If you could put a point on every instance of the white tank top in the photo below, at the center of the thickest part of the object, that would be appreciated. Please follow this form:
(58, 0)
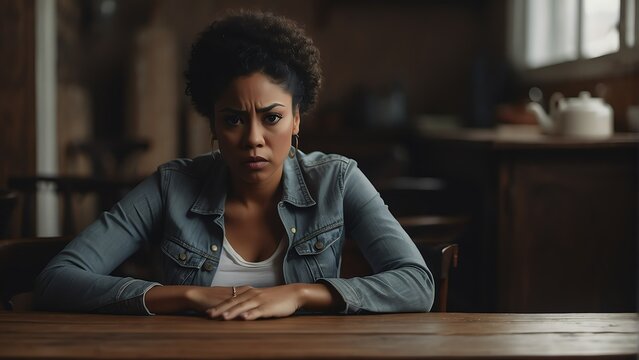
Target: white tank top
(235, 271)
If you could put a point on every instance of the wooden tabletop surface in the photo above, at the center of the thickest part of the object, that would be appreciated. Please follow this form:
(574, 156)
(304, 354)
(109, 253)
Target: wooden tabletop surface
(431, 335)
(527, 136)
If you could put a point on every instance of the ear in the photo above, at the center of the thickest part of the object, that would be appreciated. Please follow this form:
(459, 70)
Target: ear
(296, 121)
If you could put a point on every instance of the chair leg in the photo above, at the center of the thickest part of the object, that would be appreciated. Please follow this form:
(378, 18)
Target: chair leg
(449, 257)
(443, 295)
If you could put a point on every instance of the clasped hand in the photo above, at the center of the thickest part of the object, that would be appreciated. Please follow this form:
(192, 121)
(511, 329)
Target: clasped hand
(248, 304)
(254, 303)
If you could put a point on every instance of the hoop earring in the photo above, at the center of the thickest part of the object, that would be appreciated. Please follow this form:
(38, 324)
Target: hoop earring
(295, 143)
(213, 145)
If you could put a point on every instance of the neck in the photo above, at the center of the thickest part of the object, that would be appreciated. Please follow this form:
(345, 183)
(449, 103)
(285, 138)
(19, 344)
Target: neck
(264, 193)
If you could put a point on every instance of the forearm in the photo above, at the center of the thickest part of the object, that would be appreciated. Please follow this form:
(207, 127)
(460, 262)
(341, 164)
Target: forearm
(179, 298)
(319, 297)
(68, 288)
(407, 289)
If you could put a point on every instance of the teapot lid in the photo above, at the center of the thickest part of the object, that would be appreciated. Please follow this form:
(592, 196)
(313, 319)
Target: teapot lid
(584, 101)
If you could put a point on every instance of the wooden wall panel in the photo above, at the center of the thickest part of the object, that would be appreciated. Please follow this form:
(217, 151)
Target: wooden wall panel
(17, 88)
(426, 47)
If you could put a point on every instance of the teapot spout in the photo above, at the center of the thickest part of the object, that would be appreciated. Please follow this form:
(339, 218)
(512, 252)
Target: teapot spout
(542, 118)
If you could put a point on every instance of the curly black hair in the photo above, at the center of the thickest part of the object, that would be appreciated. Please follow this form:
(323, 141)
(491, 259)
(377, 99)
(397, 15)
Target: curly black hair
(245, 42)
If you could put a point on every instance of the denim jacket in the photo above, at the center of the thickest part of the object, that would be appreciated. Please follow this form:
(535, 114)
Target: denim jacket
(326, 200)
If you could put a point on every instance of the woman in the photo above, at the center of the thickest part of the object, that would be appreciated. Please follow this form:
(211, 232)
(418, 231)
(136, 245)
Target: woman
(256, 229)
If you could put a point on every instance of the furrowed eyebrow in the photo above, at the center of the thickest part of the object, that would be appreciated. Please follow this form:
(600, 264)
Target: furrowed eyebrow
(260, 110)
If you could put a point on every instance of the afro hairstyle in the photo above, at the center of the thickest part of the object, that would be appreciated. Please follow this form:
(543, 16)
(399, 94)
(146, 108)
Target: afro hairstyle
(245, 42)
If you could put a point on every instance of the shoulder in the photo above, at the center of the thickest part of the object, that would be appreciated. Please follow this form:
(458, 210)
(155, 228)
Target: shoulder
(186, 178)
(196, 167)
(318, 159)
(328, 169)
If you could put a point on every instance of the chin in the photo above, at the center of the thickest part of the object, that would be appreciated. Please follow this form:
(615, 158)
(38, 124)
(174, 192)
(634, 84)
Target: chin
(255, 178)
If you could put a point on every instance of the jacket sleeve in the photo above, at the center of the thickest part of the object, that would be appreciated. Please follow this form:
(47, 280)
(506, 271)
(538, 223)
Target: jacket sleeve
(77, 279)
(401, 282)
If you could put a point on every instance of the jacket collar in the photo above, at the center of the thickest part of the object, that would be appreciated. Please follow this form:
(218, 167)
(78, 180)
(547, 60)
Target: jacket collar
(295, 190)
(212, 196)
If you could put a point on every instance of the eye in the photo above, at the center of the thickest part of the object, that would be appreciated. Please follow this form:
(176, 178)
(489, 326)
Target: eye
(232, 120)
(272, 118)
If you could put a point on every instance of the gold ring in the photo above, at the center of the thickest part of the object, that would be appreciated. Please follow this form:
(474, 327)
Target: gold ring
(234, 292)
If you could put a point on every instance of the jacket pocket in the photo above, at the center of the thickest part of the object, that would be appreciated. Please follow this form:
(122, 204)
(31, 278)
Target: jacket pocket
(180, 263)
(321, 253)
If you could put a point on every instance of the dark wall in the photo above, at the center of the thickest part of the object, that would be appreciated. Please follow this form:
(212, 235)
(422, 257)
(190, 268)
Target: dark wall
(17, 88)
(426, 50)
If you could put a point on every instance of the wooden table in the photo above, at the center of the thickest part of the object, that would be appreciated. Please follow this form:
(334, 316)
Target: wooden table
(431, 335)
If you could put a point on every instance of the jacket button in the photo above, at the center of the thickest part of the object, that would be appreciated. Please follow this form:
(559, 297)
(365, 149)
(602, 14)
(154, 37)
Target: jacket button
(214, 248)
(208, 266)
(182, 256)
(293, 230)
(319, 245)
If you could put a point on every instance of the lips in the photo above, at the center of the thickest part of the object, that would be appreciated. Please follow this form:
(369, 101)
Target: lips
(256, 159)
(256, 162)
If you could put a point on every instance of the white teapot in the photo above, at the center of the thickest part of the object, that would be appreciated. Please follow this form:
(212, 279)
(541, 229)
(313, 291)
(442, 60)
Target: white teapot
(583, 116)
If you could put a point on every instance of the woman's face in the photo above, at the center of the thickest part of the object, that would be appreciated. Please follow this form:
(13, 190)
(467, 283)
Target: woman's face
(254, 123)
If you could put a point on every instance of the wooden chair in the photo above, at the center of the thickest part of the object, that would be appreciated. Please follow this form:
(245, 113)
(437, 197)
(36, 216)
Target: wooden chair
(112, 159)
(8, 201)
(21, 260)
(426, 208)
(449, 256)
(108, 192)
(416, 196)
(441, 258)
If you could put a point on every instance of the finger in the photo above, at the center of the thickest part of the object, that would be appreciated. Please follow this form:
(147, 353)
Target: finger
(252, 314)
(224, 309)
(240, 308)
(221, 307)
(228, 303)
(242, 289)
(211, 313)
(218, 310)
(243, 293)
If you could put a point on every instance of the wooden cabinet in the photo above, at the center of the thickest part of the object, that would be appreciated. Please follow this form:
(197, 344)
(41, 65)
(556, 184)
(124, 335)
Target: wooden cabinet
(557, 217)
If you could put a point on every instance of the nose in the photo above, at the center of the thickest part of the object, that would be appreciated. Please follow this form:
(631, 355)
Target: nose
(254, 134)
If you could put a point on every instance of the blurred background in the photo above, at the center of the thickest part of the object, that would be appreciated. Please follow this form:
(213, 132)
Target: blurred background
(431, 97)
